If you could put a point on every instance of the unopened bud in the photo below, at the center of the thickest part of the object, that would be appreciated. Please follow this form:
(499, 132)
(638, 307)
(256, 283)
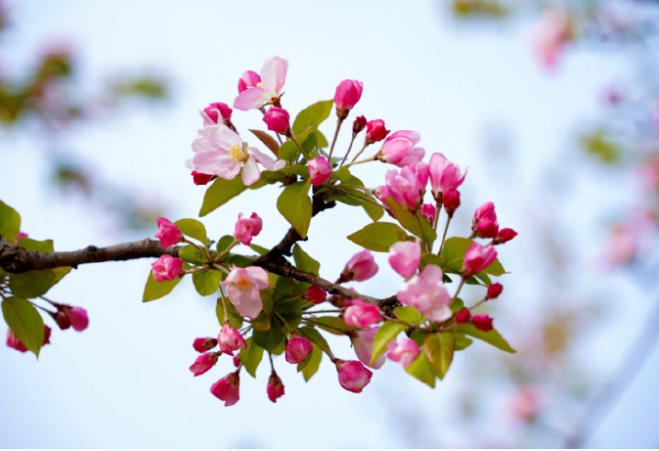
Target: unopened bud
(463, 316)
(359, 124)
(451, 201)
(494, 290)
(504, 236)
(482, 322)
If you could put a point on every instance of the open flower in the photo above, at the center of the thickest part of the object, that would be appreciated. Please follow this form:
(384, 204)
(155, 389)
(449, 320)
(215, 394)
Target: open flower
(267, 90)
(230, 339)
(220, 151)
(427, 293)
(216, 113)
(407, 188)
(444, 174)
(246, 228)
(399, 149)
(404, 257)
(243, 286)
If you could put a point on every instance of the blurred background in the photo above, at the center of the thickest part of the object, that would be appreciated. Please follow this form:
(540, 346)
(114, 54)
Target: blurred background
(551, 104)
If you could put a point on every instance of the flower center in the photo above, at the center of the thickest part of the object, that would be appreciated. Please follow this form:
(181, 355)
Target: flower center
(238, 152)
(243, 283)
(259, 85)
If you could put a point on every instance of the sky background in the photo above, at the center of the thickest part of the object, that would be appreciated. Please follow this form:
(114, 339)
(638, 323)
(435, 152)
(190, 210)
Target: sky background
(124, 382)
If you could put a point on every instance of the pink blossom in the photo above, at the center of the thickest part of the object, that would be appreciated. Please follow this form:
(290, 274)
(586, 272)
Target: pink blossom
(77, 316)
(243, 287)
(359, 268)
(346, 96)
(20, 235)
(353, 376)
(250, 79)
(405, 351)
(504, 236)
(167, 268)
(230, 339)
(362, 340)
(213, 112)
(477, 258)
(247, 228)
(316, 294)
(407, 188)
(494, 290)
(359, 124)
(427, 293)
(399, 149)
(485, 223)
(275, 388)
(463, 316)
(202, 179)
(551, 35)
(375, 131)
(451, 201)
(267, 90)
(204, 344)
(227, 389)
(168, 232)
(404, 257)
(278, 120)
(298, 349)
(319, 170)
(220, 151)
(362, 314)
(428, 211)
(482, 322)
(13, 341)
(444, 175)
(525, 404)
(236, 360)
(204, 363)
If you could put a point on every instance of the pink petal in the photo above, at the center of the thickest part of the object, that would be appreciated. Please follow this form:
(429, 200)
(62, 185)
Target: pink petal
(273, 75)
(251, 98)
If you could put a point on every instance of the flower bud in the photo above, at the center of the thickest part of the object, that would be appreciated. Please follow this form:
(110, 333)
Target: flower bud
(298, 349)
(14, 343)
(399, 149)
(359, 268)
(362, 314)
(216, 113)
(275, 388)
(236, 360)
(204, 363)
(316, 294)
(319, 170)
(168, 232)
(353, 375)
(428, 211)
(77, 317)
(359, 124)
(278, 120)
(451, 201)
(444, 175)
(404, 257)
(463, 316)
(477, 258)
(167, 268)
(230, 339)
(246, 228)
(227, 389)
(62, 320)
(504, 236)
(494, 290)
(405, 351)
(375, 131)
(482, 322)
(346, 96)
(362, 340)
(199, 178)
(204, 344)
(24, 235)
(485, 223)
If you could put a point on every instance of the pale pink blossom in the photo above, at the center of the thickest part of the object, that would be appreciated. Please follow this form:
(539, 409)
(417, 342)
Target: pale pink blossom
(551, 35)
(485, 223)
(399, 149)
(362, 314)
(404, 352)
(525, 404)
(204, 363)
(477, 258)
(230, 339)
(319, 170)
(375, 131)
(243, 287)
(216, 113)
(277, 120)
(204, 344)
(247, 228)
(353, 376)
(404, 257)
(168, 232)
(275, 388)
(316, 294)
(362, 340)
(266, 91)
(297, 349)
(444, 174)
(250, 79)
(360, 267)
(407, 188)
(227, 389)
(346, 96)
(167, 268)
(220, 151)
(427, 293)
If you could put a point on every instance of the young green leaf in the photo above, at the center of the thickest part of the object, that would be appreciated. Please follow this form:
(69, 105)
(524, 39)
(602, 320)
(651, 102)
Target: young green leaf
(315, 337)
(235, 318)
(453, 255)
(492, 337)
(25, 321)
(221, 192)
(439, 348)
(207, 282)
(314, 362)
(415, 225)
(10, 223)
(155, 290)
(304, 262)
(373, 211)
(313, 116)
(333, 325)
(270, 339)
(410, 315)
(36, 246)
(386, 333)
(378, 236)
(422, 370)
(251, 356)
(462, 342)
(295, 205)
(192, 255)
(31, 284)
(224, 243)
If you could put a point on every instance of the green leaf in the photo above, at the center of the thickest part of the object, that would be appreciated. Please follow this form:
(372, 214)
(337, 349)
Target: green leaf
(295, 205)
(298, 169)
(439, 348)
(309, 144)
(270, 339)
(334, 325)
(378, 236)
(235, 318)
(221, 192)
(417, 226)
(36, 246)
(155, 290)
(458, 305)
(289, 151)
(462, 342)
(207, 282)
(10, 223)
(262, 322)
(224, 243)
(422, 370)
(191, 255)
(239, 260)
(312, 116)
(304, 262)
(24, 320)
(314, 362)
(385, 334)
(251, 356)
(2, 274)
(31, 284)
(410, 315)
(60, 272)
(342, 174)
(373, 211)
(259, 249)
(290, 311)
(193, 229)
(492, 337)
(453, 256)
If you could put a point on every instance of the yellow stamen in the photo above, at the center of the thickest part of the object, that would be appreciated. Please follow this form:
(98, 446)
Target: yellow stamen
(243, 283)
(238, 151)
(259, 85)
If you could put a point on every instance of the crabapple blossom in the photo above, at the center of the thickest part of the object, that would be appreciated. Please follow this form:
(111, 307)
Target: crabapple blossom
(230, 339)
(216, 111)
(204, 363)
(426, 292)
(404, 352)
(375, 131)
(275, 388)
(204, 344)
(399, 149)
(167, 268)
(477, 258)
(359, 124)
(494, 290)
(362, 340)
(267, 89)
(346, 96)
(463, 316)
(250, 79)
(362, 314)
(404, 257)
(429, 211)
(485, 223)
(297, 349)
(353, 376)
(482, 322)
(247, 228)
(451, 201)
(319, 170)
(504, 236)
(316, 294)
(227, 389)
(406, 188)
(76, 317)
(360, 267)
(444, 175)
(278, 120)
(168, 232)
(243, 287)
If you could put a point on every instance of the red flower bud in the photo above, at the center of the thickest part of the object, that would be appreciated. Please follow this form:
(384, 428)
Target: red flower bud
(359, 124)
(316, 294)
(504, 236)
(451, 201)
(463, 316)
(275, 388)
(200, 178)
(482, 322)
(375, 131)
(204, 344)
(494, 290)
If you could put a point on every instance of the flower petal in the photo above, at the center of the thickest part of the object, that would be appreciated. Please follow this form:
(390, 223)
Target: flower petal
(251, 98)
(273, 75)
